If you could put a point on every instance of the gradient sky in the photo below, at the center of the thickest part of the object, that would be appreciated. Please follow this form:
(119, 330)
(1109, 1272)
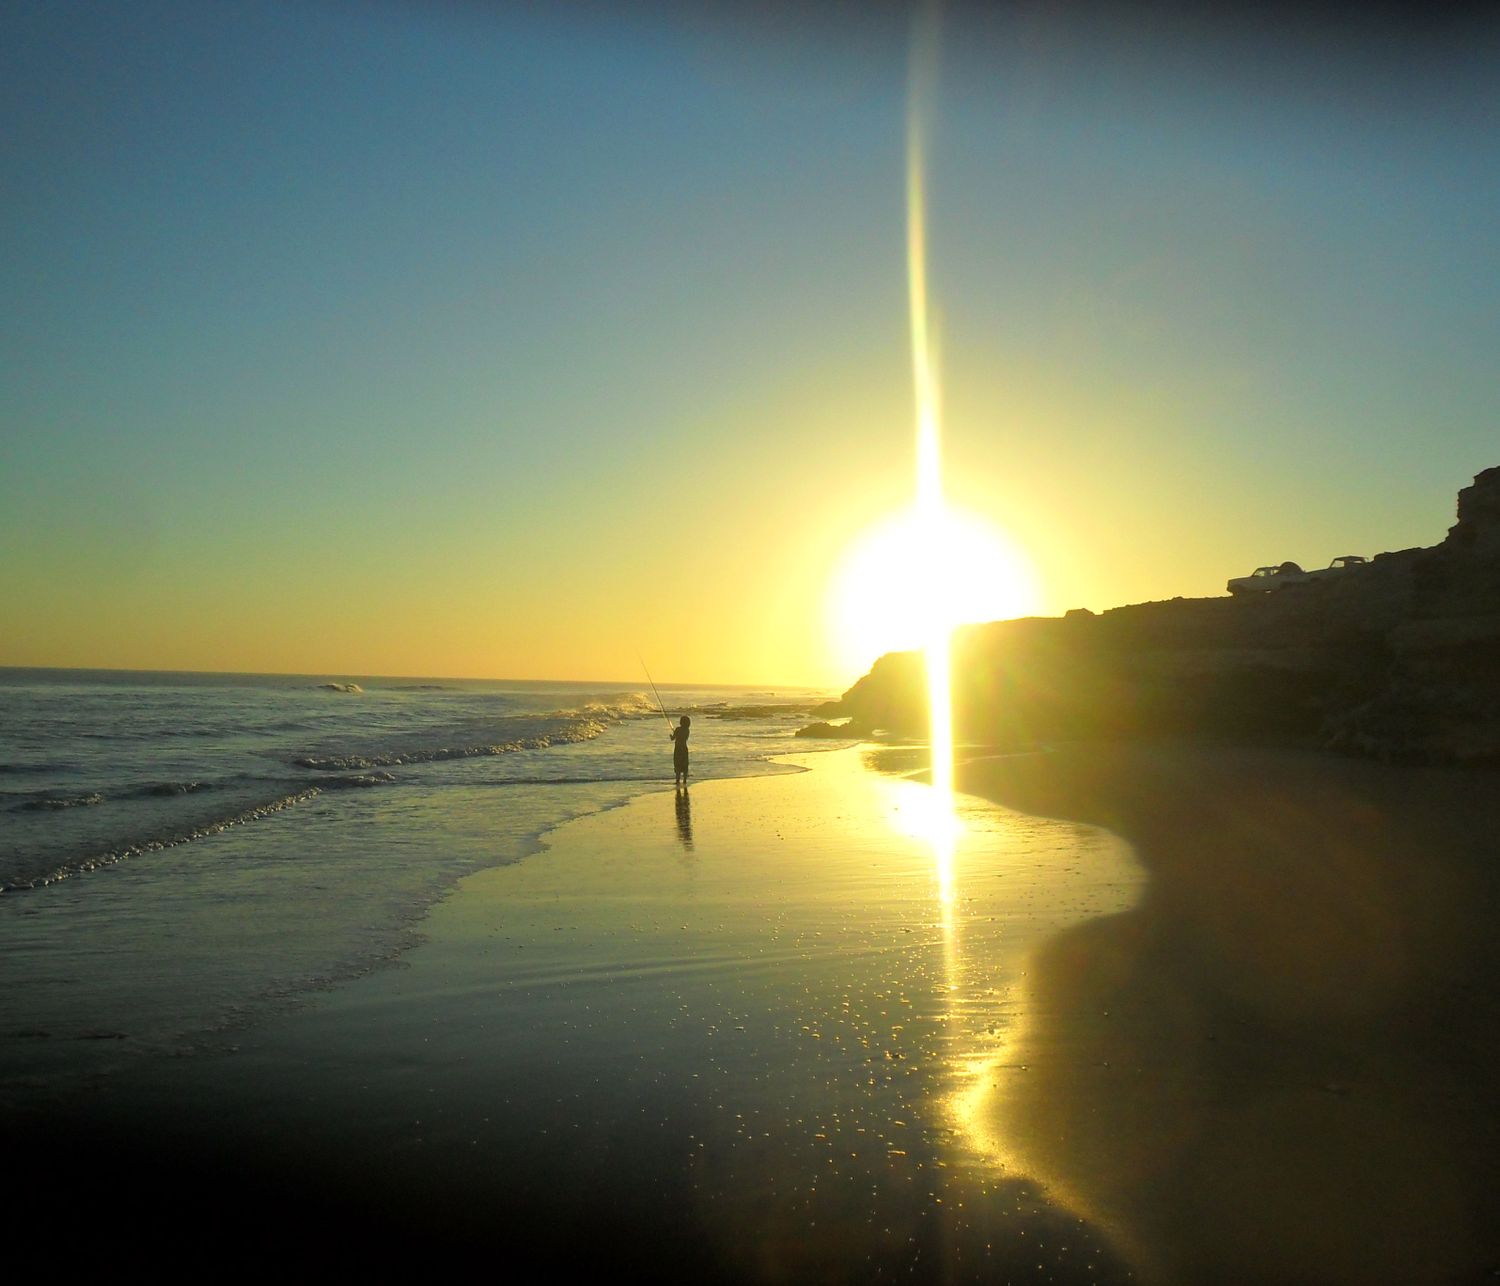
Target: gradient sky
(518, 340)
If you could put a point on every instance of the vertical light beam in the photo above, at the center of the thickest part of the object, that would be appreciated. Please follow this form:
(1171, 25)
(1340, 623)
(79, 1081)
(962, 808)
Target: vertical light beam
(931, 508)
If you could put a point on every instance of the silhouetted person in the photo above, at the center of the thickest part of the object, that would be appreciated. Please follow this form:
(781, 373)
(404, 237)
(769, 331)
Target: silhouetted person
(679, 736)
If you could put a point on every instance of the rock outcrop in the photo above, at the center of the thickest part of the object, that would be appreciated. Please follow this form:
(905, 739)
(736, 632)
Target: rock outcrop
(836, 731)
(1398, 659)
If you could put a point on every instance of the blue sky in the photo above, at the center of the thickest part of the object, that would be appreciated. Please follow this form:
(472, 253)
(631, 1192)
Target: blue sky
(502, 340)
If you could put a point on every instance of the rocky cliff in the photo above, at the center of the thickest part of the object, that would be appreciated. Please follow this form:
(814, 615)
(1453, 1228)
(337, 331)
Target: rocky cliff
(1398, 659)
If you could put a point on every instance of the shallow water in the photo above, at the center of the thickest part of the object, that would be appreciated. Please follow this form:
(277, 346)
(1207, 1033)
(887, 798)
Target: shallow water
(183, 854)
(749, 1038)
(744, 1027)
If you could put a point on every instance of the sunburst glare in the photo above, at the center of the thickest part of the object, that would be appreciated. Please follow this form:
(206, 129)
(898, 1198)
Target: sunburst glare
(931, 509)
(903, 572)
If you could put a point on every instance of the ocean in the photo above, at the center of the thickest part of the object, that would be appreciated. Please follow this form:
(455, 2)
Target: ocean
(182, 854)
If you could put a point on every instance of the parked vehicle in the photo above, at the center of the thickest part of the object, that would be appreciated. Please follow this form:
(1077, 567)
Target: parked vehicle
(1341, 564)
(1268, 578)
(1263, 579)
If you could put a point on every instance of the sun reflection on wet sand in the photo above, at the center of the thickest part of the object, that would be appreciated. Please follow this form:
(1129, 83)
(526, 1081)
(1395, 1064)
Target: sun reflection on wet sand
(932, 819)
(1000, 885)
(935, 818)
(755, 1053)
(926, 814)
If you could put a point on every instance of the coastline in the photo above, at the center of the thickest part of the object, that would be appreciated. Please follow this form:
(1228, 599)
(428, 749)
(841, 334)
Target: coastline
(747, 1040)
(729, 1044)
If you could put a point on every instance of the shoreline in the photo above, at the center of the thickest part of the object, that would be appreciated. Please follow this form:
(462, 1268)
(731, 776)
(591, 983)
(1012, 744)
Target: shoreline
(736, 1033)
(742, 1037)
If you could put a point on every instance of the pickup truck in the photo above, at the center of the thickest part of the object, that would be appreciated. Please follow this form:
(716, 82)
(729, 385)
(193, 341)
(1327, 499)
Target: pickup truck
(1268, 578)
(1338, 565)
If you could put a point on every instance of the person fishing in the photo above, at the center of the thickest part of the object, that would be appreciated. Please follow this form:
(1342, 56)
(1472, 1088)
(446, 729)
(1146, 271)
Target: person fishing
(679, 736)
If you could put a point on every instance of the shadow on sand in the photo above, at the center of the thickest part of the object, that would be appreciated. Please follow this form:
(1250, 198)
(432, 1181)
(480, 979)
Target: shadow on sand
(1277, 1067)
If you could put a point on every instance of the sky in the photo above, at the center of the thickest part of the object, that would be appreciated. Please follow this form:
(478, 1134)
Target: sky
(525, 340)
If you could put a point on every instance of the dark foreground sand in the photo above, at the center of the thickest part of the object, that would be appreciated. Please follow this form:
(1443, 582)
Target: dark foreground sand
(1281, 1065)
(748, 1038)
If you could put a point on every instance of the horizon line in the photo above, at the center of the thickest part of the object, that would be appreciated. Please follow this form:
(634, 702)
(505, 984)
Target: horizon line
(354, 674)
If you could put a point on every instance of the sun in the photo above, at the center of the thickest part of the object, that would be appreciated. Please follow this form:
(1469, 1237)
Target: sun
(902, 576)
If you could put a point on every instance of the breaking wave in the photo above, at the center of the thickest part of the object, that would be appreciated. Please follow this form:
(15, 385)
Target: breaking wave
(53, 803)
(157, 790)
(436, 754)
(81, 866)
(614, 708)
(100, 798)
(591, 718)
(356, 781)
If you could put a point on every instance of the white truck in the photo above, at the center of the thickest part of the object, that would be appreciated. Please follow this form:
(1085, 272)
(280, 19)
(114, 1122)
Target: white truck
(1269, 578)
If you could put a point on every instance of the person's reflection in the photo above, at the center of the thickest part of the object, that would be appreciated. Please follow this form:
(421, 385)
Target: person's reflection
(684, 818)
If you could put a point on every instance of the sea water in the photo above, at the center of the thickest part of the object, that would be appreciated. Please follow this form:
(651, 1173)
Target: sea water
(181, 854)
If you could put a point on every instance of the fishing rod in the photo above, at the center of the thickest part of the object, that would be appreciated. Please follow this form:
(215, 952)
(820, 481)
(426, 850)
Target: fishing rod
(652, 682)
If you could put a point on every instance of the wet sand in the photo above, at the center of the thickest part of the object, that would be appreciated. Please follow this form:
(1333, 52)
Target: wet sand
(771, 1033)
(729, 1037)
(1280, 1065)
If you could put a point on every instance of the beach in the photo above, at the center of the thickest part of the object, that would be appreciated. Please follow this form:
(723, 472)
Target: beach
(1160, 1014)
(735, 1031)
(750, 644)
(1278, 1066)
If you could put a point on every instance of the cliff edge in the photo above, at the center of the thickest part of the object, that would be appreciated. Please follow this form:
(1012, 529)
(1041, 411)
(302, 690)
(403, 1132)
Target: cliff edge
(1397, 659)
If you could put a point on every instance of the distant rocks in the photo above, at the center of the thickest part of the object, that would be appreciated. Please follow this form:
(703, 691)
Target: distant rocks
(851, 730)
(1397, 659)
(725, 711)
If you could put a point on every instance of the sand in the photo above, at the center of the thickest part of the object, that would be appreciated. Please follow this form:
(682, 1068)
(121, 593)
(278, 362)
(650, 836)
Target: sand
(1279, 1065)
(768, 1033)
